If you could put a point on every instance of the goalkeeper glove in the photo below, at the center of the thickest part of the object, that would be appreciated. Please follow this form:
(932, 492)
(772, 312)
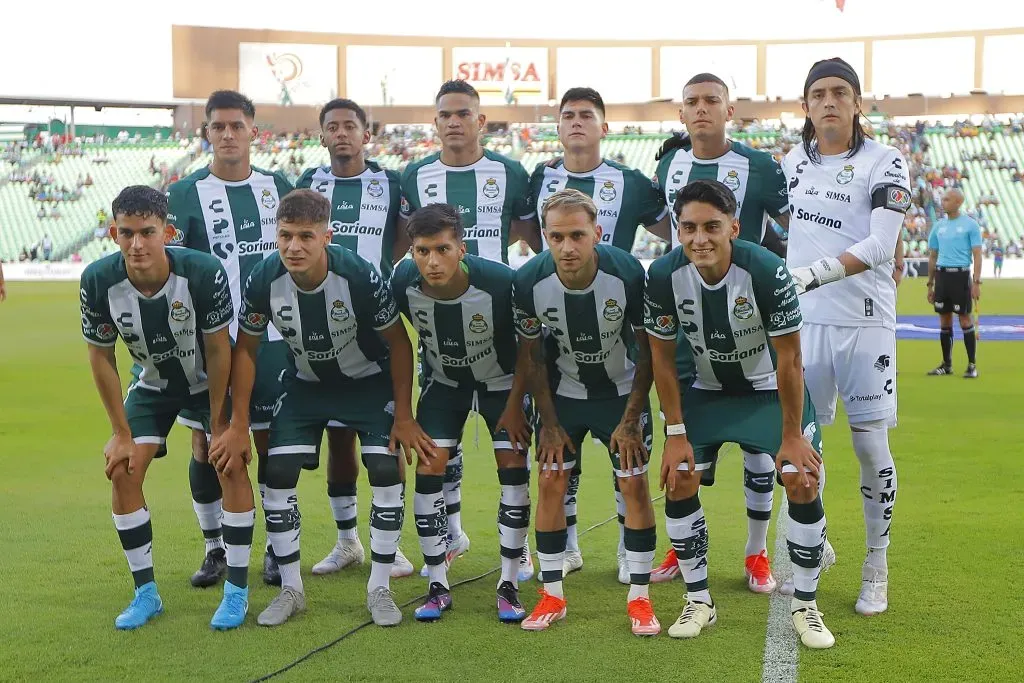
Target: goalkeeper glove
(821, 272)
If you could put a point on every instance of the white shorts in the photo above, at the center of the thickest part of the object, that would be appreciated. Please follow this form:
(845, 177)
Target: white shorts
(856, 363)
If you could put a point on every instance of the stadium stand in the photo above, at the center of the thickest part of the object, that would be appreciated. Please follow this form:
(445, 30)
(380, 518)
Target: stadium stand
(985, 162)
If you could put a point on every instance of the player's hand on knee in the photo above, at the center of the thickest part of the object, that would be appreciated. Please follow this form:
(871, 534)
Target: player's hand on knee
(513, 421)
(118, 453)
(408, 434)
(798, 452)
(628, 441)
(677, 451)
(231, 465)
(232, 443)
(551, 447)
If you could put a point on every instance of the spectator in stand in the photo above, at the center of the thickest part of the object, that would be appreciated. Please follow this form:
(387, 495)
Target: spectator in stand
(47, 245)
(997, 258)
(55, 214)
(41, 213)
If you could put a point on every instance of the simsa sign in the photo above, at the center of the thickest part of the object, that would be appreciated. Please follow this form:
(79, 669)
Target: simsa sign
(504, 74)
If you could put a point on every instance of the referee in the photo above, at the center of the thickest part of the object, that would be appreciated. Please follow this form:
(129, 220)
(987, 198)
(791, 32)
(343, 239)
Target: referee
(952, 244)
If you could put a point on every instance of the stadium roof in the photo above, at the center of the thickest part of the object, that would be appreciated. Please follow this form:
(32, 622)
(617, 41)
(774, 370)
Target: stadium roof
(39, 101)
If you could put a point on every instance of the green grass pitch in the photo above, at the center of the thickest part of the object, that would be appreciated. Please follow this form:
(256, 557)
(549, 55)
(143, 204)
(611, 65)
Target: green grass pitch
(955, 563)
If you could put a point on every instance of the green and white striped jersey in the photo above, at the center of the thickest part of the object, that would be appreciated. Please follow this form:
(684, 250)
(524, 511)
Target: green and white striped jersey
(727, 324)
(489, 194)
(364, 210)
(234, 221)
(333, 330)
(624, 196)
(163, 332)
(468, 342)
(592, 331)
(753, 176)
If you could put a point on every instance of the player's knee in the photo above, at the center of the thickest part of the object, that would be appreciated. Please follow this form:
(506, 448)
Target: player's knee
(796, 491)
(870, 426)
(633, 486)
(200, 445)
(553, 486)
(686, 487)
(382, 469)
(283, 470)
(509, 459)
(435, 466)
(124, 482)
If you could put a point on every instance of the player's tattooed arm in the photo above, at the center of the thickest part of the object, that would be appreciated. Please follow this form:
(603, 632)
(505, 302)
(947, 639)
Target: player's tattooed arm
(628, 440)
(120, 448)
(552, 439)
(795, 449)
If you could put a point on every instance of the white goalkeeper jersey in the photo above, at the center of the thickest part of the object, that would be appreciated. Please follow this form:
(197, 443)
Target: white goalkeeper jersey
(830, 206)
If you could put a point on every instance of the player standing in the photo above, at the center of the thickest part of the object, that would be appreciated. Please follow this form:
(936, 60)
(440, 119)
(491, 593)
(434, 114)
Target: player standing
(953, 243)
(590, 298)
(757, 182)
(461, 305)
(737, 306)
(491, 193)
(848, 195)
(229, 209)
(172, 308)
(353, 364)
(365, 201)
(625, 200)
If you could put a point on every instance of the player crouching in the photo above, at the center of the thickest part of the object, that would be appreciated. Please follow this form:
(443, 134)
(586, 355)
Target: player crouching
(590, 298)
(737, 305)
(353, 364)
(461, 306)
(160, 300)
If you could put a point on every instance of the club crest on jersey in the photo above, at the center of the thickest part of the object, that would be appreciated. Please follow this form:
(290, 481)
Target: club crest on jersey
(105, 331)
(846, 175)
(612, 310)
(179, 312)
(477, 324)
(267, 200)
(491, 189)
(405, 205)
(339, 312)
(255, 320)
(607, 192)
(374, 188)
(742, 309)
(732, 180)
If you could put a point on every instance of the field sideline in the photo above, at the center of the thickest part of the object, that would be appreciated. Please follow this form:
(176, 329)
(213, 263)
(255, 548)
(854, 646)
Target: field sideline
(956, 564)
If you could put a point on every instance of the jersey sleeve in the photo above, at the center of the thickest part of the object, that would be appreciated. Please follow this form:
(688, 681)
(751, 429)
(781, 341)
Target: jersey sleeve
(891, 171)
(372, 296)
(975, 234)
(284, 186)
(305, 180)
(933, 238)
(776, 296)
(660, 317)
(97, 325)
(519, 193)
(524, 311)
(633, 278)
(179, 212)
(399, 282)
(774, 195)
(536, 181)
(214, 307)
(410, 196)
(650, 205)
(254, 313)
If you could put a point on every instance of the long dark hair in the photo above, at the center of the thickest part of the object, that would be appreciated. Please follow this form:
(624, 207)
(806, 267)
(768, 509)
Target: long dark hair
(810, 139)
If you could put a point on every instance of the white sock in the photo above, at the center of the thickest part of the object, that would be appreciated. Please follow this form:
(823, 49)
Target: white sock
(637, 590)
(554, 588)
(877, 484)
(437, 573)
(291, 577)
(758, 489)
(210, 516)
(380, 575)
(877, 558)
